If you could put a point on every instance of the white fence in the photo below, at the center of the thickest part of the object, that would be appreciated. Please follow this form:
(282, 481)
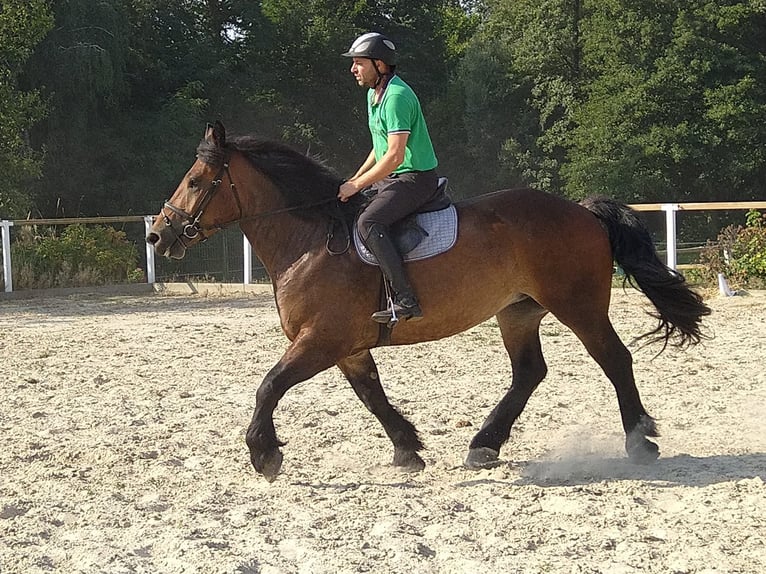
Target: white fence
(670, 209)
(6, 225)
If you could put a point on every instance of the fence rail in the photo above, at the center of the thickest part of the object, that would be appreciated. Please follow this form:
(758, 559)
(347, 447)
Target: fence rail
(670, 209)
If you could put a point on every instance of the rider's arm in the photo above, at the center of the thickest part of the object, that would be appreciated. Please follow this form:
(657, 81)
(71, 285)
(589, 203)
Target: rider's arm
(368, 163)
(392, 159)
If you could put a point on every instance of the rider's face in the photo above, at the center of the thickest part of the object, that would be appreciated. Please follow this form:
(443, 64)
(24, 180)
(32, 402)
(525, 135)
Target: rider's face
(364, 72)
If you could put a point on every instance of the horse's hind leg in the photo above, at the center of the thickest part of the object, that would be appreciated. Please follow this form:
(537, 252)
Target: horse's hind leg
(596, 332)
(520, 327)
(362, 373)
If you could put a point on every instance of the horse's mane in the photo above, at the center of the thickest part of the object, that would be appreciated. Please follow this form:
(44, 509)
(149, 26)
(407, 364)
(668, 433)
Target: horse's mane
(301, 179)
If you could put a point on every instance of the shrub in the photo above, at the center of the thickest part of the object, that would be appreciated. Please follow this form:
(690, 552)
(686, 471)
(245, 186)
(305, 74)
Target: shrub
(77, 256)
(739, 253)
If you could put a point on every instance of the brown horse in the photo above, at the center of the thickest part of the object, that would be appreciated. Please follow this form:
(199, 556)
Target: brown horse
(520, 254)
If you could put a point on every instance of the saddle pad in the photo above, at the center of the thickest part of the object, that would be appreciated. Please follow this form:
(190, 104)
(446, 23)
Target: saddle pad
(441, 227)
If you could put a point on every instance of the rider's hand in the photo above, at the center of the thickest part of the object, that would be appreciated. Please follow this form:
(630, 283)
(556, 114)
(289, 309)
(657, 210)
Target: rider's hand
(346, 190)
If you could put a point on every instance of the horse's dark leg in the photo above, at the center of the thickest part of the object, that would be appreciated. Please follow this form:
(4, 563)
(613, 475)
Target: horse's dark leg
(596, 332)
(362, 373)
(519, 324)
(298, 364)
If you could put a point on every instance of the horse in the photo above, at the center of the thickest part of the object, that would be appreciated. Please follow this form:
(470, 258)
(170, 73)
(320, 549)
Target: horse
(519, 255)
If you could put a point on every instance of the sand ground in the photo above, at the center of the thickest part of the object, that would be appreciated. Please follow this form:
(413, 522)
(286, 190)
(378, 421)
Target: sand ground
(122, 421)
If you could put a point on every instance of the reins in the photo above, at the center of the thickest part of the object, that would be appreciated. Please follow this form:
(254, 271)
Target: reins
(270, 213)
(334, 219)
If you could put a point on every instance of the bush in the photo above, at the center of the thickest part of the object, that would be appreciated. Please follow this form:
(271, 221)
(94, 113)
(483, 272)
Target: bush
(79, 256)
(740, 253)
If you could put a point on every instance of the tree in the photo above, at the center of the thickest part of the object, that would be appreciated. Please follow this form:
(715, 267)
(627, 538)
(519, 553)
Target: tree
(131, 84)
(127, 81)
(677, 105)
(522, 75)
(23, 23)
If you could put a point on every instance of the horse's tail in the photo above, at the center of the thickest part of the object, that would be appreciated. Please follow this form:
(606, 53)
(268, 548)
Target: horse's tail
(680, 309)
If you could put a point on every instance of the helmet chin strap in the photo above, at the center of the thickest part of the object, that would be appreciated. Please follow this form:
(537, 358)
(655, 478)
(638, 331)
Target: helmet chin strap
(381, 76)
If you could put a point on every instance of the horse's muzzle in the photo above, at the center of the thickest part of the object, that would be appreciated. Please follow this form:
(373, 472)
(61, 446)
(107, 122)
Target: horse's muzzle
(166, 242)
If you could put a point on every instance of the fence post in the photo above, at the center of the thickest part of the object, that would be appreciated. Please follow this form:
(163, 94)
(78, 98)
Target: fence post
(670, 232)
(248, 260)
(5, 230)
(150, 277)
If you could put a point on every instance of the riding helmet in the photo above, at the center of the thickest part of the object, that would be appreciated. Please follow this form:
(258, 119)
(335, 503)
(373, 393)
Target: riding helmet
(374, 46)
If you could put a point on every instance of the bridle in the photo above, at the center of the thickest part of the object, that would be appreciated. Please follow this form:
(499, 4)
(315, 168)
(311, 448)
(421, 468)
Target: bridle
(192, 229)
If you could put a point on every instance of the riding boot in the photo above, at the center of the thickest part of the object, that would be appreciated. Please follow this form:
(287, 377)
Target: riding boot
(405, 304)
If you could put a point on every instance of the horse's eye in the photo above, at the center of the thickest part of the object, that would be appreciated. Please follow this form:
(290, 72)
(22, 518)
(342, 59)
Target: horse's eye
(193, 183)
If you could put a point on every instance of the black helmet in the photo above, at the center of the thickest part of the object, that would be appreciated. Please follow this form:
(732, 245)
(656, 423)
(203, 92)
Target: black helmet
(374, 46)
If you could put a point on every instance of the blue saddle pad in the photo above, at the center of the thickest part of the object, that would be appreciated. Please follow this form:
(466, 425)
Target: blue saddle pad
(441, 229)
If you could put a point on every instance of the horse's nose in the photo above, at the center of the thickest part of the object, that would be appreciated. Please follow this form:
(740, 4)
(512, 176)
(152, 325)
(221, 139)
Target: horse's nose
(152, 238)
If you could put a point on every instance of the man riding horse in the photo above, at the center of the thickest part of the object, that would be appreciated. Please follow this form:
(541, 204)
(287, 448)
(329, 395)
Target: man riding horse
(400, 169)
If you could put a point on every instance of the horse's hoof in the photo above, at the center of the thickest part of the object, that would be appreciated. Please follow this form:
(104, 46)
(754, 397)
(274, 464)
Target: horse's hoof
(482, 457)
(268, 464)
(640, 450)
(408, 460)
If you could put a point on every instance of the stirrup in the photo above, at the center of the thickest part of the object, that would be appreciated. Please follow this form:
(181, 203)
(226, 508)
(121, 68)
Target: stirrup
(396, 312)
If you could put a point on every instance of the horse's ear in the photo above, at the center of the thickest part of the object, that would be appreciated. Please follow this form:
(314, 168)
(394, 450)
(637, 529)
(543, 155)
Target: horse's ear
(216, 134)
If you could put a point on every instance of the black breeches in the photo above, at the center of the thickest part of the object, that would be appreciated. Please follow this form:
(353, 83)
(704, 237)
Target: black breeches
(397, 197)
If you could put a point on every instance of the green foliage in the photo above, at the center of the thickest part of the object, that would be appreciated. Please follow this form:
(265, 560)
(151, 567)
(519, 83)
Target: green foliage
(303, 87)
(82, 68)
(740, 253)
(642, 100)
(496, 115)
(78, 256)
(676, 103)
(521, 74)
(23, 23)
(638, 100)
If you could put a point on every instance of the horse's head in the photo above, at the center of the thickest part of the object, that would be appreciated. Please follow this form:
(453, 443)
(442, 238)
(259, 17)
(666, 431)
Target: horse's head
(204, 202)
(277, 186)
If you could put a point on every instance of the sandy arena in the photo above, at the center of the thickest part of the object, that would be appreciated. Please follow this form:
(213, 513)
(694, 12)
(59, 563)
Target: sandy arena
(122, 422)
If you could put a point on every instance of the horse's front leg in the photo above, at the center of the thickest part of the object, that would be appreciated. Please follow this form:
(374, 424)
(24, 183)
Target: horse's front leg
(362, 373)
(299, 363)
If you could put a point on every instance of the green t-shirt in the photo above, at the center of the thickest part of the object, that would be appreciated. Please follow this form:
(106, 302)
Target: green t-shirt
(399, 112)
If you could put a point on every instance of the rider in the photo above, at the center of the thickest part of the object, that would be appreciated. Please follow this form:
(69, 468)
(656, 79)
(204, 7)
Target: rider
(401, 167)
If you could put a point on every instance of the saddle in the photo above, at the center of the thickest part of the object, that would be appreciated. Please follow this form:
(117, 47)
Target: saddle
(430, 231)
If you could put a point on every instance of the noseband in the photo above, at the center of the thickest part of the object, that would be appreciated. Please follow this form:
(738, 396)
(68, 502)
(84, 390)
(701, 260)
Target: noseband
(192, 227)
